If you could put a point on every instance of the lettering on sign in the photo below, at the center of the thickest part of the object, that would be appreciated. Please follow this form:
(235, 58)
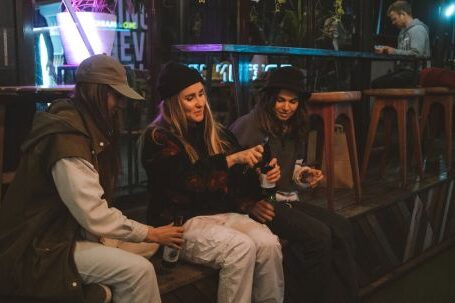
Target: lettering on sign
(223, 71)
(130, 42)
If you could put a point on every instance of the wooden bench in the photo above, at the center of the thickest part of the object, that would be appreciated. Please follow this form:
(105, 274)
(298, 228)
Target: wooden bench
(186, 283)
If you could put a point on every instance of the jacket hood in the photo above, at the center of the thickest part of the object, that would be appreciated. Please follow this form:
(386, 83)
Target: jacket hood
(63, 117)
(415, 22)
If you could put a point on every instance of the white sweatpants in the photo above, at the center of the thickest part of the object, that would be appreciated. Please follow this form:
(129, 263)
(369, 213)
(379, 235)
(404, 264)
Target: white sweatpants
(247, 253)
(130, 277)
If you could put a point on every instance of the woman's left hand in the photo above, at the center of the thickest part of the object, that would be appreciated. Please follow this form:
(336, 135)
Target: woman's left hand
(310, 176)
(262, 211)
(274, 174)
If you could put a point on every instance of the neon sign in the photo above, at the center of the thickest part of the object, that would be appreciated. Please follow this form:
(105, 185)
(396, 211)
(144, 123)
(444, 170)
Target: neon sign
(114, 25)
(224, 70)
(102, 24)
(129, 25)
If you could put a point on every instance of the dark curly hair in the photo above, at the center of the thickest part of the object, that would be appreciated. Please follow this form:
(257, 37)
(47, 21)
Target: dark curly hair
(296, 127)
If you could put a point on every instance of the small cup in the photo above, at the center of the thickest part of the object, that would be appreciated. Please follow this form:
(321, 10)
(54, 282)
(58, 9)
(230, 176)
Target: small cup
(304, 176)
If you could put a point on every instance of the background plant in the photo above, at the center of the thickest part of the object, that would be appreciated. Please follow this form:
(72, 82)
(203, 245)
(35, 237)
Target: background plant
(98, 6)
(106, 6)
(281, 22)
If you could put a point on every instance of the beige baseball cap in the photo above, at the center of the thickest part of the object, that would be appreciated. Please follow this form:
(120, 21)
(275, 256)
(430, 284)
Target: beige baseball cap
(104, 69)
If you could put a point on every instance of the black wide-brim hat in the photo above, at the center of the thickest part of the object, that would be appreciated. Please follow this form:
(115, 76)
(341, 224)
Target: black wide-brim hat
(287, 77)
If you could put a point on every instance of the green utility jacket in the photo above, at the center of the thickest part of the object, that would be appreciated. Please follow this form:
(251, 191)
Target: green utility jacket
(37, 231)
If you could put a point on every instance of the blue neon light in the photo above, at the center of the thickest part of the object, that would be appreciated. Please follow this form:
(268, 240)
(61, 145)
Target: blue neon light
(450, 10)
(44, 61)
(225, 70)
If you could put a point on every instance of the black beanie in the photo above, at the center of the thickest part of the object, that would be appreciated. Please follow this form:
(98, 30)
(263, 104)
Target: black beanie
(287, 77)
(174, 77)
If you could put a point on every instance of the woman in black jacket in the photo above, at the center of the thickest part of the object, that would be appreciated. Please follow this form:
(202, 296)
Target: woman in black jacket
(196, 170)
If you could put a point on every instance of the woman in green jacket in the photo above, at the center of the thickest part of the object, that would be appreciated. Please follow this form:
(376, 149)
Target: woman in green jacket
(56, 212)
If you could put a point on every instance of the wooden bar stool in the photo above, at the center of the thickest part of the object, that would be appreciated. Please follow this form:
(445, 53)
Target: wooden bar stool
(401, 100)
(329, 107)
(445, 98)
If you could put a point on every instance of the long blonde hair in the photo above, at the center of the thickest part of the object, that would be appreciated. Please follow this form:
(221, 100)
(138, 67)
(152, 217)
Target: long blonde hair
(172, 118)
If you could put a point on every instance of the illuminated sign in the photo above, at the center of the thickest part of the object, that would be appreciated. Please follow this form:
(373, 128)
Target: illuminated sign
(224, 70)
(114, 25)
(129, 25)
(102, 24)
(130, 45)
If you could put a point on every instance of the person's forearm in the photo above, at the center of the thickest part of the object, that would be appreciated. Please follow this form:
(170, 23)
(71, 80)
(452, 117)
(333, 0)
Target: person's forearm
(231, 160)
(78, 186)
(409, 52)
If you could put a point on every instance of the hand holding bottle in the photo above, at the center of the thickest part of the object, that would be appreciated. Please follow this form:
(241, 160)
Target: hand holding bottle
(274, 173)
(250, 156)
(171, 253)
(168, 235)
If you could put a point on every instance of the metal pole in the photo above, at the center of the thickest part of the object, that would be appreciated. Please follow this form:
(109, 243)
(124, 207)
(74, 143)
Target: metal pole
(81, 31)
(182, 21)
(452, 49)
(154, 44)
(378, 24)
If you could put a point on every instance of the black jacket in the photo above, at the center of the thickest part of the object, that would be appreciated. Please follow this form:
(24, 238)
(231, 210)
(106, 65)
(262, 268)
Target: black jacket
(179, 187)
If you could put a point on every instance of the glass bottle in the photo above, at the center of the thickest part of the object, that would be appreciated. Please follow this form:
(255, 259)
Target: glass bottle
(268, 188)
(171, 254)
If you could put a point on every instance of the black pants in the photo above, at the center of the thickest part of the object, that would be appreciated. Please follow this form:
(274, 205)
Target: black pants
(318, 257)
(396, 79)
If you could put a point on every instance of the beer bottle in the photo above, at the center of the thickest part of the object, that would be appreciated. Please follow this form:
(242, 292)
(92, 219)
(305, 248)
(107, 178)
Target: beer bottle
(268, 188)
(171, 254)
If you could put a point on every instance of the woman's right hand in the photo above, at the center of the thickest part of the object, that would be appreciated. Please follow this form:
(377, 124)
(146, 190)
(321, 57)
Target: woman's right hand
(274, 174)
(168, 235)
(249, 156)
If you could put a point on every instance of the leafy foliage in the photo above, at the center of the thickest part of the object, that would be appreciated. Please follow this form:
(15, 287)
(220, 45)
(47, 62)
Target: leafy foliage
(282, 22)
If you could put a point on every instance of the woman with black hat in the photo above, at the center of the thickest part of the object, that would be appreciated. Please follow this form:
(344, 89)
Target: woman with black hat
(319, 251)
(56, 213)
(195, 170)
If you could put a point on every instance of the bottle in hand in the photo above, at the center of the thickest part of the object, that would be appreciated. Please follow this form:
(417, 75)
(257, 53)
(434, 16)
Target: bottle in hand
(268, 188)
(171, 254)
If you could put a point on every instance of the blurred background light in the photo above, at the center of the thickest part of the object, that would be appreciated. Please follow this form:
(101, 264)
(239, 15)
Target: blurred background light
(449, 10)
